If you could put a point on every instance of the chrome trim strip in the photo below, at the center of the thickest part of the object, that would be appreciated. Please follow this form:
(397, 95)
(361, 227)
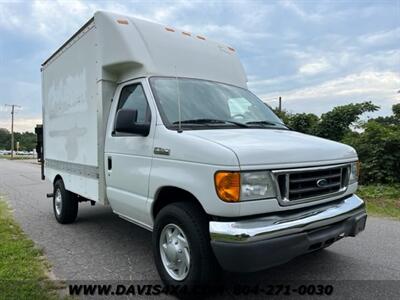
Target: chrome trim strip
(297, 170)
(285, 223)
(73, 168)
(138, 223)
(284, 199)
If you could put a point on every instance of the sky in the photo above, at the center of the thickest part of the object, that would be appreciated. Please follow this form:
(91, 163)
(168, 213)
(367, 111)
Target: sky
(314, 54)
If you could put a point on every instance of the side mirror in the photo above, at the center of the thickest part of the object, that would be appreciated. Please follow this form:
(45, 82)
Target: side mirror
(126, 123)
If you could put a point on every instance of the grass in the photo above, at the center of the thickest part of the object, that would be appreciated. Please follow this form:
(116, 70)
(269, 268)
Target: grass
(16, 157)
(23, 270)
(382, 200)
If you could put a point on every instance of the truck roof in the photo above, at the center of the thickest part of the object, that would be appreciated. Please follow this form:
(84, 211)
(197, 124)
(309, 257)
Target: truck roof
(128, 47)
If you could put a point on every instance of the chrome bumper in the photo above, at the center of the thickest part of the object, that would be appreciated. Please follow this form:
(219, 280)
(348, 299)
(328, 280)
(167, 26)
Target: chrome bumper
(286, 223)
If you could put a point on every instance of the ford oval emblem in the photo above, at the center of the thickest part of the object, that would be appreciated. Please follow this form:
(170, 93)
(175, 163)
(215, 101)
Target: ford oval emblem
(322, 182)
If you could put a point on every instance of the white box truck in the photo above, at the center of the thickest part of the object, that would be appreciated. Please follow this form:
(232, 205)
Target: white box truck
(159, 124)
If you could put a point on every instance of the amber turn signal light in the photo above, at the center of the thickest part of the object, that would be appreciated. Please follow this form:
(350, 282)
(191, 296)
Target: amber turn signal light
(227, 185)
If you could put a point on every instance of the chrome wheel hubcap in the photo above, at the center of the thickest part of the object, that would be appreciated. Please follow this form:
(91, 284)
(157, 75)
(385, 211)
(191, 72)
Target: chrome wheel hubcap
(175, 252)
(58, 201)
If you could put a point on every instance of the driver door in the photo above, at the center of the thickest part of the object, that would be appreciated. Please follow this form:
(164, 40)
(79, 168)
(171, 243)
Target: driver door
(128, 157)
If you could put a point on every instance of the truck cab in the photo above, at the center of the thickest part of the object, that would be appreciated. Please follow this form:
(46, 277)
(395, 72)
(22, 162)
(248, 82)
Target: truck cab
(166, 132)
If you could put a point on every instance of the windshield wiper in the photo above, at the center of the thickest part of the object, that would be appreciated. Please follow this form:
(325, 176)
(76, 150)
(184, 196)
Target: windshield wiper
(265, 123)
(211, 121)
(262, 123)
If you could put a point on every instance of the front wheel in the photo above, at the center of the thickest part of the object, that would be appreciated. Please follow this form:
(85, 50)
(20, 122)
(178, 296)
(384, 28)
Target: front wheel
(65, 204)
(181, 247)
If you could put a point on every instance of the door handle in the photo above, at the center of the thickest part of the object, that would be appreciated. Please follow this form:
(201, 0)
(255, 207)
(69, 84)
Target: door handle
(109, 163)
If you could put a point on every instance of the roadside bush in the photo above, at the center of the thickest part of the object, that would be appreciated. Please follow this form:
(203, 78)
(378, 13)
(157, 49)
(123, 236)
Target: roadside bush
(377, 141)
(378, 148)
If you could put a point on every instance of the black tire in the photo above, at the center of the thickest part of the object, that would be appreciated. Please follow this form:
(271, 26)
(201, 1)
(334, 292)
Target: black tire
(204, 269)
(68, 210)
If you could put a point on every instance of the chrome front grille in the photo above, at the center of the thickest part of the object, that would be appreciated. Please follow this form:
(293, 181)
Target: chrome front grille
(308, 184)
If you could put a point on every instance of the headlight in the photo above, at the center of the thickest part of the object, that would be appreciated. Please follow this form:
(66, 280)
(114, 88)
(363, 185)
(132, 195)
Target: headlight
(235, 186)
(256, 185)
(354, 172)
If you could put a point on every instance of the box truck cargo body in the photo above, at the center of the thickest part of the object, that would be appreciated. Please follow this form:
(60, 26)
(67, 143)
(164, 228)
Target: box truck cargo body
(79, 81)
(73, 105)
(159, 124)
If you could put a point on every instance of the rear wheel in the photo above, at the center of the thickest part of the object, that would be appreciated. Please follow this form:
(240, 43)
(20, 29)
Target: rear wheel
(65, 204)
(181, 247)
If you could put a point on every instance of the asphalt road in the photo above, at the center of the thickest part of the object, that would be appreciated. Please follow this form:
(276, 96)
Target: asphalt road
(101, 246)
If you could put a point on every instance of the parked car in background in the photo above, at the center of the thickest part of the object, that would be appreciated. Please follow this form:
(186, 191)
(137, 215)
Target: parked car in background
(5, 152)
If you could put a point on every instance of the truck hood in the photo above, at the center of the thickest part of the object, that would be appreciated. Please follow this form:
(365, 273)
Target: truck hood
(271, 146)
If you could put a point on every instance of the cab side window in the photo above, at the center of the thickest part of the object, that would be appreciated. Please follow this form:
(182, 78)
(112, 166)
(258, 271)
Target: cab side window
(133, 97)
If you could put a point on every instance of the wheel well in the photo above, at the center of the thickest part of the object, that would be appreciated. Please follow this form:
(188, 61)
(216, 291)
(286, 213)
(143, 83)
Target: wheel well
(170, 194)
(57, 178)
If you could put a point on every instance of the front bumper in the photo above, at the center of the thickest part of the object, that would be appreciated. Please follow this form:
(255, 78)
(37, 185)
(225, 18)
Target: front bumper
(255, 244)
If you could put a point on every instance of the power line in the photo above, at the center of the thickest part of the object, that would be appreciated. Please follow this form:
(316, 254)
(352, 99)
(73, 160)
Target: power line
(273, 100)
(280, 104)
(13, 106)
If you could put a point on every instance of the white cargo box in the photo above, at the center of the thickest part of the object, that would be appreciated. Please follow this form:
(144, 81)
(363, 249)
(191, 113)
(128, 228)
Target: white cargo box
(79, 81)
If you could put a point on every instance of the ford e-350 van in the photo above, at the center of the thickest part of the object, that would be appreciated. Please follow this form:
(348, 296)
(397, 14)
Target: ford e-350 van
(159, 124)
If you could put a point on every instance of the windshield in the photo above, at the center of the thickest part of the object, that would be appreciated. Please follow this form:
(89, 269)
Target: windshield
(210, 104)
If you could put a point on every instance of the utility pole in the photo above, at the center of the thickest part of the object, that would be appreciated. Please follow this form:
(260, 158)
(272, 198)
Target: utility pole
(280, 104)
(13, 106)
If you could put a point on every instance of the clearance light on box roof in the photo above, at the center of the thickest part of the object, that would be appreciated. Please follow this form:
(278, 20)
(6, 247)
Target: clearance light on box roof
(189, 34)
(121, 21)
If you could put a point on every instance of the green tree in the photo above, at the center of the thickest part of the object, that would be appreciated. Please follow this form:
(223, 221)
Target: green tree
(27, 140)
(376, 141)
(5, 139)
(378, 148)
(335, 124)
(396, 110)
(391, 120)
(283, 115)
(306, 123)
(332, 125)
